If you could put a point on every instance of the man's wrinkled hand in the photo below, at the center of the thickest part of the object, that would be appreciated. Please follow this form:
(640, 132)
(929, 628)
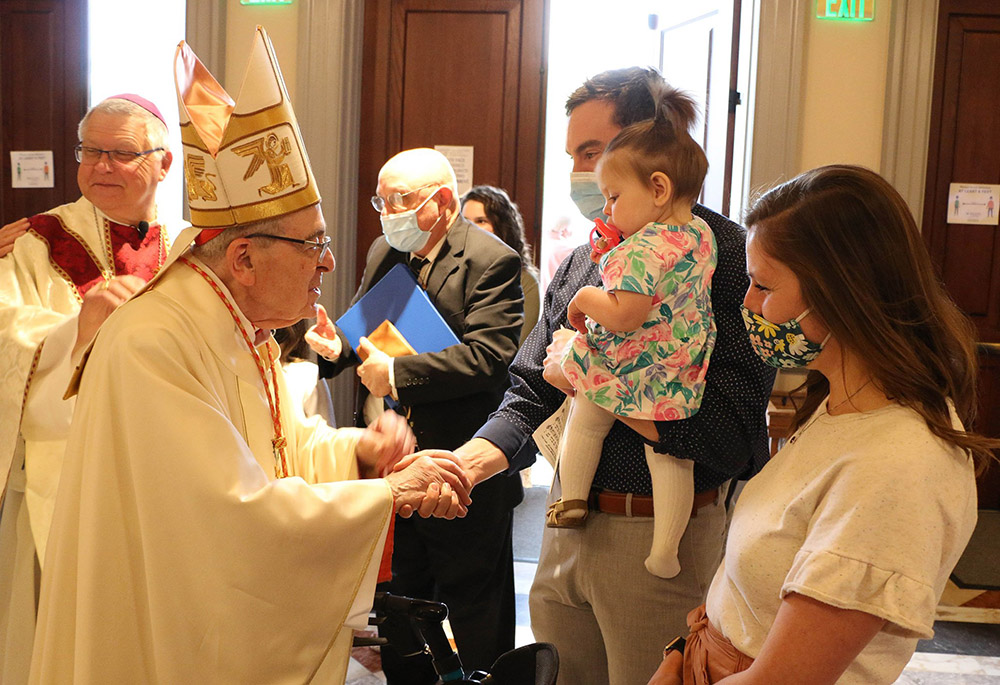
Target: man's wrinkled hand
(10, 233)
(430, 483)
(387, 440)
(98, 304)
(322, 337)
(374, 370)
(552, 370)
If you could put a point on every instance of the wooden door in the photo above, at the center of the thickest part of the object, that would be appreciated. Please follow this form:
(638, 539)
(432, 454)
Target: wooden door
(454, 72)
(965, 148)
(43, 95)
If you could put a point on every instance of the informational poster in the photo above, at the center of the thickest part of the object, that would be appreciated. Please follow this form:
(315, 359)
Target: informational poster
(31, 169)
(460, 157)
(973, 203)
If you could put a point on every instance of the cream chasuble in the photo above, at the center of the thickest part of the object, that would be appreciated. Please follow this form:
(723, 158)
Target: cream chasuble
(176, 556)
(68, 250)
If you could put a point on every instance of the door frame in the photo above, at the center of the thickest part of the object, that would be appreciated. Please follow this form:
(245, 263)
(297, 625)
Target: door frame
(909, 89)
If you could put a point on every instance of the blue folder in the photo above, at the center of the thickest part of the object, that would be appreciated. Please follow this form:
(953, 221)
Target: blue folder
(398, 298)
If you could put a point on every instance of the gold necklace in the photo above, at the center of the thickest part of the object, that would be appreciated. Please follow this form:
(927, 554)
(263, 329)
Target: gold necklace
(829, 411)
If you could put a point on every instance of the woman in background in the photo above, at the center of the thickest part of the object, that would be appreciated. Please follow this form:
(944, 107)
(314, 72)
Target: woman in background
(492, 210)
(302, 374)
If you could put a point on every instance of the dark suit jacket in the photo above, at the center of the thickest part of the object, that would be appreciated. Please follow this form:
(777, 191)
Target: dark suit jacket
(475, 284)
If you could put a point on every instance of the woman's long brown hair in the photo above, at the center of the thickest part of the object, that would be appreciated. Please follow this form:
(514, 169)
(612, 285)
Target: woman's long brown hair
(851, 241)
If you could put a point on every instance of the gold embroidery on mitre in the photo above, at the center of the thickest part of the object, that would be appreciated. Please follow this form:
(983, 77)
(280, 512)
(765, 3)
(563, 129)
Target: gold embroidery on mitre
(198, 183)
(273, 151)
(237, 137)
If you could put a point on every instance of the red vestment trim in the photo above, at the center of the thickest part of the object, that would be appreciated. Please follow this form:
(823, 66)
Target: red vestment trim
(385, 564)
(77, 263)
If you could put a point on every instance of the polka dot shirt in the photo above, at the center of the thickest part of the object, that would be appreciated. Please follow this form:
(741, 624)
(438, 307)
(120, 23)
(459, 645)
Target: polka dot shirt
(726, 439)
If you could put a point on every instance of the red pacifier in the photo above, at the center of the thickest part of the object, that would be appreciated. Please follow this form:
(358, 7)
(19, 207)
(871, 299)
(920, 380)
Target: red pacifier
(604, 237)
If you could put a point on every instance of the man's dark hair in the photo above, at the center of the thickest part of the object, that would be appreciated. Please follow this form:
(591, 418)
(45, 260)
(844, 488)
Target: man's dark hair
(631, 91)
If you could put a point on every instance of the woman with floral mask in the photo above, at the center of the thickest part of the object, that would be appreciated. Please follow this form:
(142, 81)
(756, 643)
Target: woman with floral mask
(840, 548)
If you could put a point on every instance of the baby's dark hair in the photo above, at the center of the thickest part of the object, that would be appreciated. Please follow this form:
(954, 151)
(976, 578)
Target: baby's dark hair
(663, 144)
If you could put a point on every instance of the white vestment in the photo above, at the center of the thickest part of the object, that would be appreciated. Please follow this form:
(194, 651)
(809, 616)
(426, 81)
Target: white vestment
(176, 555)
(308, 390)
(39, 304)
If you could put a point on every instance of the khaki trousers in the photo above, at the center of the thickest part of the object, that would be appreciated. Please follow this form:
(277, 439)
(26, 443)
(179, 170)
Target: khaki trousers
(606, 614)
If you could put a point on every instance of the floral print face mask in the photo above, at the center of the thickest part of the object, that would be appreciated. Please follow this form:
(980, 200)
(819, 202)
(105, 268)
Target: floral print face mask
(781, 345)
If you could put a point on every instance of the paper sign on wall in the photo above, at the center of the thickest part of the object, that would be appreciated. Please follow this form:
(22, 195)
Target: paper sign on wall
(973, 203)
(31, 169)
(460, 157)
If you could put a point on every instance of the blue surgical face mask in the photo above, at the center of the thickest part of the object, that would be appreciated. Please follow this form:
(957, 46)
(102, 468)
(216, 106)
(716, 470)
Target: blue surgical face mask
(586, 194)
(402, 231)
(781, 345)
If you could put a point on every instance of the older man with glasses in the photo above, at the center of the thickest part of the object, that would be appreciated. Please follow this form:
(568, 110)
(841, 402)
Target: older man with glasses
(205, 530)
(474, 281)
(67, 271)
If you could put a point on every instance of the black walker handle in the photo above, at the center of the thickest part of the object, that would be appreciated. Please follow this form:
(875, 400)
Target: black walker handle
(427, 617)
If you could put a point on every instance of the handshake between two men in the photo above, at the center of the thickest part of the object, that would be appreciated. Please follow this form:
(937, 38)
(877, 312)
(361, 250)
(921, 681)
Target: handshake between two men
(429, 482)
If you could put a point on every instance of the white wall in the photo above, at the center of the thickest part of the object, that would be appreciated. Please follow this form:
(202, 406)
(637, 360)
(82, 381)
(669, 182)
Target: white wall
(281, 23)
(844, 90)
(147, 72)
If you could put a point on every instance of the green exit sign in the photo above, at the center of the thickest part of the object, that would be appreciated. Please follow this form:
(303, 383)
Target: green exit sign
(265, 2)
(846, 10)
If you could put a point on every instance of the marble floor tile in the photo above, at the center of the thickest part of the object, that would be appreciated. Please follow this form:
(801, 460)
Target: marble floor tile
(908, 678)
(357, 674)
(524, 573)
(954, 663)
(953, 637)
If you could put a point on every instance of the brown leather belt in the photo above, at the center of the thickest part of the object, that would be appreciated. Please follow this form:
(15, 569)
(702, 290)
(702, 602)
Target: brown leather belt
(627, 504)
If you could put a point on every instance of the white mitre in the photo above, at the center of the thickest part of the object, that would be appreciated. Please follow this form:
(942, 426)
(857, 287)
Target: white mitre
(244, 161)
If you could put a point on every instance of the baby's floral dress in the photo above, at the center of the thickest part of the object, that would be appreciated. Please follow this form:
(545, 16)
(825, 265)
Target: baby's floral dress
(658, 371)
